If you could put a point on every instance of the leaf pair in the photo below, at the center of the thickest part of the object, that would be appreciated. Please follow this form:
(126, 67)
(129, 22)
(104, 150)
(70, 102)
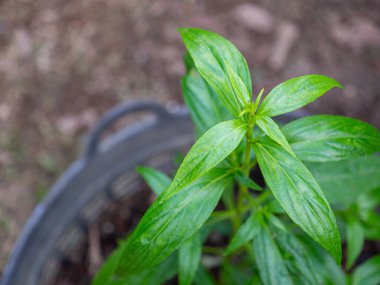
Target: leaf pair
(190, 252)
(223, 67)
(182, 209)
(299, 194)
(319, 138)
(170, 222)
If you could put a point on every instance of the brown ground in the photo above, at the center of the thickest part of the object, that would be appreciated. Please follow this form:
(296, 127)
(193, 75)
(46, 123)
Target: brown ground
(63, 63)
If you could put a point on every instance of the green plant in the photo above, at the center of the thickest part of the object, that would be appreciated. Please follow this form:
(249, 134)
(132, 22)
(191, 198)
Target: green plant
(284, 232)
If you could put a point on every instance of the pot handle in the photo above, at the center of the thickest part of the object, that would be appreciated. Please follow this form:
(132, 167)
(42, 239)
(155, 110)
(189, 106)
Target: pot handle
(116, 113)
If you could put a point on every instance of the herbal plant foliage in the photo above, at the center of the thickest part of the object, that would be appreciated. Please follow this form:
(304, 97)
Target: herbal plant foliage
(281, 233)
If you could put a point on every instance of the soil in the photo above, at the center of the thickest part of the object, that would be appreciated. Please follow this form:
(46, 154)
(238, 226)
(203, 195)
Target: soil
(63, 63)
(102, 237)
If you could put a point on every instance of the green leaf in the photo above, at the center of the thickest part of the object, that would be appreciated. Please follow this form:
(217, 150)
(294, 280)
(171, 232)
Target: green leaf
(295, 93)
(372, 225)
(170, 222)
(369, 200)
(329, 273)
(272, 130)
(156, 180)
(367, 273)
(159, 274)
(209, 52)
(207, 152)
(188, 61)
(245, 233)
(326, 138)
(200, 102)
(299, 194)
(343, 181)
(189, 259)
(105, 273)
(355, 240)
(295, 256)
(233, 274)
(257, 100)
(237, 86)
(247, 181)
(203, 277)
(272, 268)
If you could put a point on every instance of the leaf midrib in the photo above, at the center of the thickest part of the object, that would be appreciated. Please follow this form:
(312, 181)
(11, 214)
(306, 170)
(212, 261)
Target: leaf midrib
(205, 157)
(275, 106)
(331, 137)
(298, 192)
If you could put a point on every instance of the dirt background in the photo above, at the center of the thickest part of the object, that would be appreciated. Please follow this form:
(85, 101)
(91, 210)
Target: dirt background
(64, 63)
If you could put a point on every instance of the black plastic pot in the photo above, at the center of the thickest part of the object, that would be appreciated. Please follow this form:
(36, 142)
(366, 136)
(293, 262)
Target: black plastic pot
(104, 173)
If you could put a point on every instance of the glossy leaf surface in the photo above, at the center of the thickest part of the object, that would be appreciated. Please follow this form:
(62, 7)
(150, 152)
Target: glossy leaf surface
(237, 85)
(207, 152)
(295, 93)
(299, 194)
(344, 181)
(327, 138)
(189, 256)
(199, 100)
(209, 52)
(272, 130)
(170, 222)
(156, 180)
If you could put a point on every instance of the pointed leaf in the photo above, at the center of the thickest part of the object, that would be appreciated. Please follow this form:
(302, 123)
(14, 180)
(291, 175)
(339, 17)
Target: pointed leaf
(170, 222)
(295, 93)
(189, 259)
(245, 233)
(237, 86)
(247, 181)
(355, 240)
(156, 180)
(299, 194)
(272, 130)
(343, 181)
(326, 138)
(207, 152)
(257, 100)
(200, 102)
(367, 273)
(209, 51)
(272, 268)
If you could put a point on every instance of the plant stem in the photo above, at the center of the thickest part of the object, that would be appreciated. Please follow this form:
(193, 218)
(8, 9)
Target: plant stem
(246, 168)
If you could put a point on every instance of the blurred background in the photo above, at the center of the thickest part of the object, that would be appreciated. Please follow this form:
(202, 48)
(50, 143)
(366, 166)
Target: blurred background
(64, 63)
